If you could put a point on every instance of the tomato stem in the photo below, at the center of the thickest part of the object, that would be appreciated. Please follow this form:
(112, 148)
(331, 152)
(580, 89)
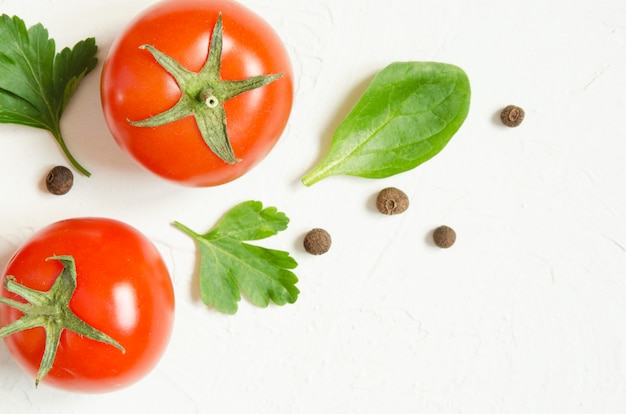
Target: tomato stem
(209, 99)
(50, 310)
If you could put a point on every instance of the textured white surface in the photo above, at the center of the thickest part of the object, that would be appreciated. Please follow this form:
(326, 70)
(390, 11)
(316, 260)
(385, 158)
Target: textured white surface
(525, 314)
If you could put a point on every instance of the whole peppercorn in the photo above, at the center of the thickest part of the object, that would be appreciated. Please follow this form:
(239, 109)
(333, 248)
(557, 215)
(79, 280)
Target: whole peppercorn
(59, 180)
(512, 116)
(317, 241)
(444, 237)
(391, 201)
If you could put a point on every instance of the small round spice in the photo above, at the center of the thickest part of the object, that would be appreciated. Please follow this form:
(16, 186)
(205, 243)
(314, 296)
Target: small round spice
(59, 180)
(391, 201)
(512, 116)
(444, 237)
(317, 241)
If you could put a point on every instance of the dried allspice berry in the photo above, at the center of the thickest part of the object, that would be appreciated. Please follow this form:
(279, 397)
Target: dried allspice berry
(512, 116)
(444, 237)
(59, 180)
(317, 241)
(392, 200)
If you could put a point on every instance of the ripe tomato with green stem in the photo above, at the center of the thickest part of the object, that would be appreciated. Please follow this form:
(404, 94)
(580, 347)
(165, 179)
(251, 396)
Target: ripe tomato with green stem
(198, 92)
(87, 305)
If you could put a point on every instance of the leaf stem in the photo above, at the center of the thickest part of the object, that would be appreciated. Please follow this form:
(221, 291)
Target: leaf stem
(314, 176)
(59, 138)
(185, 229)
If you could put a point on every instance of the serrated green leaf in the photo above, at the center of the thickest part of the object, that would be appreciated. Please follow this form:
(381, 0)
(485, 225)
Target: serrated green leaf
(229, 266)
(406, 116)
(249, 221)
(15, 110)
(36, 83)
(26, 59)
(70, 67)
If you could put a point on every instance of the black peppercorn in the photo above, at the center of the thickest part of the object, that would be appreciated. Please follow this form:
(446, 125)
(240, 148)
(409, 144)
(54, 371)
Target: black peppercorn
(317, 241)
(444, 237)
(59, 180)
(391, 200)
(512, 116)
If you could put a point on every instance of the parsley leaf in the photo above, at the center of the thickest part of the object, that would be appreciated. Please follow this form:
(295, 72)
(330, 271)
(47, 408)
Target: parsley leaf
(36, 83)
(228, 264)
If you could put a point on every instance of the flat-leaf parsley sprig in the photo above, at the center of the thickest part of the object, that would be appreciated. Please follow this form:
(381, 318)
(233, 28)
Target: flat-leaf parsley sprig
(36, 83)
(228, 265)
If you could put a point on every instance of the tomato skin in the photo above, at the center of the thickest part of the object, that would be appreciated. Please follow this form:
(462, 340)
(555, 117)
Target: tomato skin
(135, 87)
(123, 289)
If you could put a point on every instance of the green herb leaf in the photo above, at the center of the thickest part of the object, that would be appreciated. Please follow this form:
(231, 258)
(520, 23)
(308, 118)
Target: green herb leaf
(35, 83)
(228, 265)
(405, 117)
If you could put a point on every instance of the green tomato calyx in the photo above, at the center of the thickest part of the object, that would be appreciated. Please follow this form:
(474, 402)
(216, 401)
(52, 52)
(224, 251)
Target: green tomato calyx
(203, 95)
(51, 311)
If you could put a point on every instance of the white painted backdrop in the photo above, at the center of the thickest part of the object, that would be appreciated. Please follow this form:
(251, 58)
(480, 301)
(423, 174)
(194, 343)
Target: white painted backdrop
(525, 314)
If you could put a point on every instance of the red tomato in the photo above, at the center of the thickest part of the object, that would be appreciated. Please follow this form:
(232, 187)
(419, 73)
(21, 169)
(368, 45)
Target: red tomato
(134, 87)
(123, 289)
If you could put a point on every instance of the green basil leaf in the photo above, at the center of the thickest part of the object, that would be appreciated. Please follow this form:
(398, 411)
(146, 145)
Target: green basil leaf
(406, 116)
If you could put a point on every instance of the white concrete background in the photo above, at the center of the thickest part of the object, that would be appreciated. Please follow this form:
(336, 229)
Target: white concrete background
(525, 314)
